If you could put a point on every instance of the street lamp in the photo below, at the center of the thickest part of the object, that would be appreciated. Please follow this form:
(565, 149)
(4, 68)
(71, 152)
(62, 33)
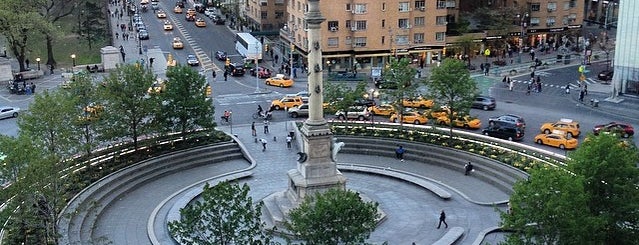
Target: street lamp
(523, 24)
(328, 66)
(139, 45)
(73, 59)
(257, 70)
(38, 60)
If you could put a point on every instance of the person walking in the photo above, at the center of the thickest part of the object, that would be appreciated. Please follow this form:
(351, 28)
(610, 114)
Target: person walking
(226, 74)
(288, 141)
(510, 85)
(151, 62)
(528, 88)
(253, 131)
(214, 75)
(399, 153)
(266, 127)
(585, 88)
(263, 141)
(468, 168)
(567, 88)
(33, 86)
(27, 62)
(581, 96)
(538, 86)
(442, 219)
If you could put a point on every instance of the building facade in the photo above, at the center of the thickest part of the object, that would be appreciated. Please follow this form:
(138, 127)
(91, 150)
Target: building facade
(360, 34)
(265, 15)
(626, 60)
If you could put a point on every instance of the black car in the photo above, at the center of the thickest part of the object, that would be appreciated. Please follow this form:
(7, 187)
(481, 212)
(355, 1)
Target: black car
(364, 102)
(605, 75)
(220, 55)
(484, 102)
(217, 19)
(504, 131)
(143, 34)
(508, 119)
(235, 70)
(383, 84)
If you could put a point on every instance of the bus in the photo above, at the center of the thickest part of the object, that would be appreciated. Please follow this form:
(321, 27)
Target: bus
(248, 46)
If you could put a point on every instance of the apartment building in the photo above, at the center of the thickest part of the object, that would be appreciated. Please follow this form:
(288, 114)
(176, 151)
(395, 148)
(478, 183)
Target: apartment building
(265, 15)
(364, 33)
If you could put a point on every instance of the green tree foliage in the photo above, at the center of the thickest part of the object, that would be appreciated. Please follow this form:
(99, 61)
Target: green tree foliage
(333, 217)
(17, 23)
(84, 99)
(52, 11)
(185, 105)
(401, 73)
(127, 107)
(450, 85)
(225, 215)
(342, 97)
(594, 201)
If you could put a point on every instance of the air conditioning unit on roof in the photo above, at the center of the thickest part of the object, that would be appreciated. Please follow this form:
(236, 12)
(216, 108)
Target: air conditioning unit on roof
(422, 8)
(353, 28)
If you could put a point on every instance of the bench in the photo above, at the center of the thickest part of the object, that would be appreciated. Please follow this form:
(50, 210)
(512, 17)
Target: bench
(415, 179)
(31, 74)
(451, 236)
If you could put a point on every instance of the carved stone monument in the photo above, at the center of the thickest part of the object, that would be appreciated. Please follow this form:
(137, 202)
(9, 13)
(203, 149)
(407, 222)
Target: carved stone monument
(110, 57)
(316, 169)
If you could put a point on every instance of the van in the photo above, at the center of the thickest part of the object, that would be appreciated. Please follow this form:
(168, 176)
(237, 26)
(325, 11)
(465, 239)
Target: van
(235, 70)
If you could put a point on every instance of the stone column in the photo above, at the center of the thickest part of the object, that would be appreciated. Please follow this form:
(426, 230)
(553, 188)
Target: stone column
(314, 19)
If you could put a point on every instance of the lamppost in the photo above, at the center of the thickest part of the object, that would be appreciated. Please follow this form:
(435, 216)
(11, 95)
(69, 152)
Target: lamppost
(328, 66)
(73, 59)
(257, 70)
(523, 24)
(139, 45)
(38, 60)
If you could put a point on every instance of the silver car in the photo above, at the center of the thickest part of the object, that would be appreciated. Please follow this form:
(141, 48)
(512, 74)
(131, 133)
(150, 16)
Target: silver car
(8, 112)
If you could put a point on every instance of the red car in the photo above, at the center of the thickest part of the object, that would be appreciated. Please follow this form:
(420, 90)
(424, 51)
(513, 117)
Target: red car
(622, 129)
(262, 72)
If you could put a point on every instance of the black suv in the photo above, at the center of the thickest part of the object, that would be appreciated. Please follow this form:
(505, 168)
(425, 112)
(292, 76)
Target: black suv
(508, 119)
(484, 102)
(503, 131)
(235, 70)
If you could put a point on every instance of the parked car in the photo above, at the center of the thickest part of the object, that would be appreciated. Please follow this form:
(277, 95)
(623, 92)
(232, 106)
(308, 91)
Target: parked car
(192, 60)
(220, 55)
(505, 131)
(298, 111)
(208, 12)
(8, 112)
(570, 127)
(262, 72)
(235, 70)
(515, 120)
(143, 35)
(414, 117)
(279, 80)
(605, 75)
(621, 129)
(354, 112)
(484, 102)
(557, 139)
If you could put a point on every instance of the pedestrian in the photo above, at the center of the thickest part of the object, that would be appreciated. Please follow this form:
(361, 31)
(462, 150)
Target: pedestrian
(151, 61)
(226, 74)
(532, 74)
(442, 219)
(288, 141)
(585, 88)
(266, 127)
(505, 80)
(123, 56)
(213, 74)
(253, 131)
(510, 85)
(567, 88)
(528, 89)
(277, 58)
(294, 72)
(399, 153)
(538, 86)
(51, 68)
(581, 96)
(27, 62)
(117, 35)
(33, 86)
(263, 141)
(468, 168)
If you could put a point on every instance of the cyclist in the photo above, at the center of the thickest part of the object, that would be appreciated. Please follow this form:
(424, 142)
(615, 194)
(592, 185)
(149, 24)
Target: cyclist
(226, 116)
(259, 110)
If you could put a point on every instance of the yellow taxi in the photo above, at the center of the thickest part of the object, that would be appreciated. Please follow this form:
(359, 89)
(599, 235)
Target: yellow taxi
(567, 125)
(91, 112)
(177, 43)
(437, 113)
(191, 12)
(200, 22)
(168, 26)
(418, 102)
(467, 122)
(161, 14)
(177, 10)
(558, 139)
(382, 110)
(279, 80)
(287, 102)
(410, 117)
(157, 87)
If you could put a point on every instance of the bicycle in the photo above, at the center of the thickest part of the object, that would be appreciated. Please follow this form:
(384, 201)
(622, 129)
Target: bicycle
(226, 122)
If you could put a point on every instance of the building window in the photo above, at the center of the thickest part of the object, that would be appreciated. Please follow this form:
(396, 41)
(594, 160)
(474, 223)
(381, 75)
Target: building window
(535, 7)
(552, 7)
(572, 3)
(401, 39)
(333, 41)
(441, 20)
(348, 7)
(383, 6)
(418, 38)
(550, 21)
(383, 23)
(279, 2)
(383, 39)
(404, 7)
(360, 9)
(420, 4)
(565, 20)
(361, 25)
(419, 21)
(566, 5)
(264, 15)
(440, 36)
(403, 23)
(360, 42)
(279, 14)
(534, 21)
(441, 4)
(333, 26)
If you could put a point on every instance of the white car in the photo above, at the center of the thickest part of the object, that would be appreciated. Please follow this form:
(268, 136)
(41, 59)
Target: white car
(8, 112)
(209, 12)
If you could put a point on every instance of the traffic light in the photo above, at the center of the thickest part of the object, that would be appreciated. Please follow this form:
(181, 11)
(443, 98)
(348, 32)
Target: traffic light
(228, 61)
(266, 47)
(208, 90)
(581, 69)
(292, 47)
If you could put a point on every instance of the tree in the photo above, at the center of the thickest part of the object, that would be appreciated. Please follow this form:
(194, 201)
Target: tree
(225, 215)
(450, 84)
(84, 99)
(594, 200)
(467, 43)
(127, 107)
(17, 27)
(333, 217)
(342, 97)
(52, 11)
(186, 105)
(401, 74)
